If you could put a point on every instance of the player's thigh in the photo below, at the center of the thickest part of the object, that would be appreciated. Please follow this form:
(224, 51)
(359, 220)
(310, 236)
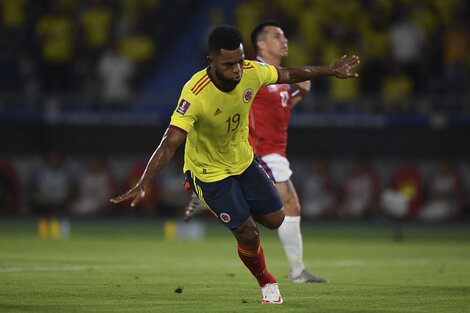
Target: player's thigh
(223, 198)
(259, 190)
(289, 198)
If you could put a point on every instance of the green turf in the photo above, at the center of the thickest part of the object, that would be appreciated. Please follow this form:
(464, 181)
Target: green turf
(129, 267)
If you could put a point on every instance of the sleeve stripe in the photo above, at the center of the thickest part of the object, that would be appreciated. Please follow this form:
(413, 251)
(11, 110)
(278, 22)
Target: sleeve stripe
(247, 65)
(200, 83)
(278, 75)
(204, 86)
(178, 129)
(197, 83)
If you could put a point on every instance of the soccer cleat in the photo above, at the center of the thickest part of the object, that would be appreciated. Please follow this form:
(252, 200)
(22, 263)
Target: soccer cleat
(195, 207)
(306, 277)
(271, 294)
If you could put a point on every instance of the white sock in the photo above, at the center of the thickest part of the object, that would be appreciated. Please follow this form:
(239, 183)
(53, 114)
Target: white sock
(291, 239)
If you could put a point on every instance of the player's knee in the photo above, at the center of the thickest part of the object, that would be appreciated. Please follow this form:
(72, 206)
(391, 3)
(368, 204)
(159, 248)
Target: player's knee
(296, 209)
(292, 208)
(251, 238)
(247, 234)
(274, 221)
(276, 224)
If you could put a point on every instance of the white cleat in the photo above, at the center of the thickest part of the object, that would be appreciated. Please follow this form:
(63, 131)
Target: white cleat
(195, 207)
(271, 294)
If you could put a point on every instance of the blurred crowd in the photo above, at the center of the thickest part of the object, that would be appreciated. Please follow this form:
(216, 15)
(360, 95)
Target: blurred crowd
(409, 49)
(397, 189)
(57, 185)
(91, 53)
(95, 53)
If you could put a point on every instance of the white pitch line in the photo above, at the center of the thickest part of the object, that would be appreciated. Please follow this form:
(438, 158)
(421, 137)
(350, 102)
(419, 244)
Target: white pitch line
(70, 268)
(203, 265)
(392, 262)
(337, 263)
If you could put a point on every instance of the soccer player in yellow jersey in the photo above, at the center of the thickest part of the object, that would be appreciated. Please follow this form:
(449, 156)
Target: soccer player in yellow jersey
(212, 115)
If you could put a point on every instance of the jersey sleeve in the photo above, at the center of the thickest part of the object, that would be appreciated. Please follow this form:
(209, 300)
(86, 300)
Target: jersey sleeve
(186, 113)
(268, 74)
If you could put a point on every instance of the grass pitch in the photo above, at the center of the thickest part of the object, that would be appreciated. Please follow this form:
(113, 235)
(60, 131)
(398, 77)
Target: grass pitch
(130, 267)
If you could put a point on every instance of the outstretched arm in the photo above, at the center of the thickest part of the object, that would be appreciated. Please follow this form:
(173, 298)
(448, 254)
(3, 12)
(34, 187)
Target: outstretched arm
(171, 140)
(339, 69)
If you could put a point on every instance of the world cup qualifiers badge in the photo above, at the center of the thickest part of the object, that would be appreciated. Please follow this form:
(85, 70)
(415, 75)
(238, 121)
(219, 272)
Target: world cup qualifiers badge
(247, 95)
(183, 107)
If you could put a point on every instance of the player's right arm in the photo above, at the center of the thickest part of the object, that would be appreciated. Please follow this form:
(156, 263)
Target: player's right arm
(182, 121)
(171, 140)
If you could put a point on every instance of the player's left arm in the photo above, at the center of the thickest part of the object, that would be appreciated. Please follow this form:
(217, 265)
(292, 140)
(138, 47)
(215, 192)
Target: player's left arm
(339, 69)
(300, 93)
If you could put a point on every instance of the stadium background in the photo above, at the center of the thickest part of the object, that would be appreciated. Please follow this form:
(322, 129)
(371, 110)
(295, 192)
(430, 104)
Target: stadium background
(402, 127)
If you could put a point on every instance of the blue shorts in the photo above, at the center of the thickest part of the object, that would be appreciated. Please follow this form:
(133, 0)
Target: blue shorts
(235, 198)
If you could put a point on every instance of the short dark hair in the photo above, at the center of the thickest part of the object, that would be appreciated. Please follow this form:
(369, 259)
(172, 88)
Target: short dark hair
(224, 37)
(257, 32)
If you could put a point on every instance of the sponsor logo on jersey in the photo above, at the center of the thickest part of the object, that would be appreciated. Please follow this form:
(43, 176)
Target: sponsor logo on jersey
(247, 95)
(217, 112)
(225, 217)
(183, 107)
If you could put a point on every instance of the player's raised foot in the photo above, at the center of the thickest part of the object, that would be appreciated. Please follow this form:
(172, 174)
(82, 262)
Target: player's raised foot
(195, 207)
(306, 277)
(271, 294)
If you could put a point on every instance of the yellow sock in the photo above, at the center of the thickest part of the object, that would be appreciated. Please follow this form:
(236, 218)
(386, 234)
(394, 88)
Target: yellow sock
(43, 228)
(170, 230)
(54, 228)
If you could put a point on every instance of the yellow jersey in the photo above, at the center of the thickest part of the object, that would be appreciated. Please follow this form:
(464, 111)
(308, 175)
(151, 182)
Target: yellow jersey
(216, 122)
